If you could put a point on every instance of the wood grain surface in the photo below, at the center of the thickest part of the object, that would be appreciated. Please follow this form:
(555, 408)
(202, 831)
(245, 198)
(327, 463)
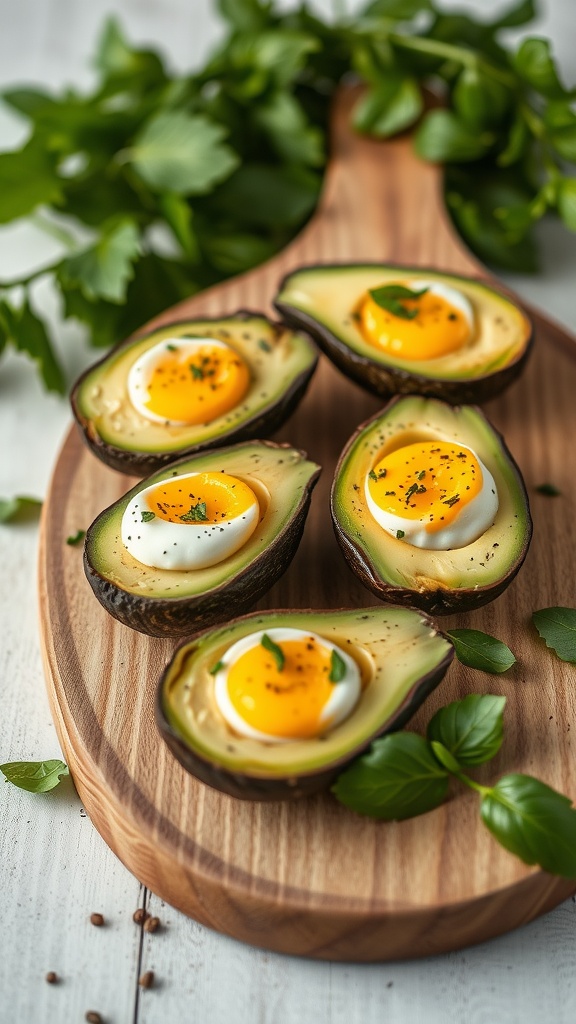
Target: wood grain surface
(310, 877)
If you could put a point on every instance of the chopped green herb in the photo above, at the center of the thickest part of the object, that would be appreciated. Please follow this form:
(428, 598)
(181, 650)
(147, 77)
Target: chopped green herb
(422, 474)
(550, 490)
(400, 534)
(337, 667)
(264, 345)
(372, 475)
(452, 501)
(273, 649)
(196, 513)
(196, 371)
(171, 348)
(413, 489)
(147, 516)
(216, 668)
(75, 538)
(390, 296)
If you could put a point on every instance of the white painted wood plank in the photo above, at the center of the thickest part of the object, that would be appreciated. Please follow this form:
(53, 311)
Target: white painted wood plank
(54, 869)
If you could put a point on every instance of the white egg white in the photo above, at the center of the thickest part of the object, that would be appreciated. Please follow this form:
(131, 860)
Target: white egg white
(141, 371)
(343, 699)
(471, 522)
(451, 295)
(164, 545)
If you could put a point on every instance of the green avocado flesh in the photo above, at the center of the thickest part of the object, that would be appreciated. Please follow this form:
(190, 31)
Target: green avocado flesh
(329, 296)
(277, 358)
(483, 563)
(281, 478)
(395, 649)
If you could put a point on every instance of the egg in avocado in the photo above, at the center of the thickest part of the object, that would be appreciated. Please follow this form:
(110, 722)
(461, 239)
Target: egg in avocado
(406, 330)
(190, 386)
(306, 692)
(429, 507)
(203, 536)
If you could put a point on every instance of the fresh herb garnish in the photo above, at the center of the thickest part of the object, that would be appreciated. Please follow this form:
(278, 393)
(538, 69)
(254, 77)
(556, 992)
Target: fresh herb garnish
(147, 516)
(372, 475)
(17, 510)
(550, 490)
(557, 627)
(35, 776)
(164, 148)
(273, 649)
(195, 514)
(75, 538)
(404, 775)
(216, 668)
(413, 489)
(171, 348)
(337, 667)
(390, 297)
(422, 474)
(452, 501)
(480, 650)
(196, 371)
(264, 345)
(400, 534)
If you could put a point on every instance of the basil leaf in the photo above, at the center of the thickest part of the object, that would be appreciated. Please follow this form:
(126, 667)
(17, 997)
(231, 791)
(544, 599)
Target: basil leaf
(337, 667)
(443, 138)
(176, 152)
(442, 754)
(274, 649)
(479, 100)
(75, 538)
(146, 516)
(388, 296)
(398, 778)
(471, 729)
(34, 776)
(480, 650)
(557, 627)
(534, 822)
(18, 509)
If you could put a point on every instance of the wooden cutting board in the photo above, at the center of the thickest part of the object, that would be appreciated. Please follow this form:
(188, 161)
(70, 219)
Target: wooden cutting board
(310, 877)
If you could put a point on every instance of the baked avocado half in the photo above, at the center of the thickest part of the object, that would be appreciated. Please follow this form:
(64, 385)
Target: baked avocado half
(439, 581)
(276, 364)
(460, 340)
(175, 602)
(400, 655)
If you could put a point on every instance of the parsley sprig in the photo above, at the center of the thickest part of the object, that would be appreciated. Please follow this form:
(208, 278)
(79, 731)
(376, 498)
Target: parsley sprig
(229, 158)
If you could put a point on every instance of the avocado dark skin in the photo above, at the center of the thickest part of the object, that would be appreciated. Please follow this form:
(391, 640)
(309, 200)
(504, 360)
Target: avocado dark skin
(386, 379)
(263, 422)
(257, 785)
(179, 616)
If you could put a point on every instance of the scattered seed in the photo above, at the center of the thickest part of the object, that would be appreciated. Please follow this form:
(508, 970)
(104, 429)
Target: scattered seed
(93, 1017)
(52, 978)
(152, 924)
(147, 979)
(97, 920)
(140, 916)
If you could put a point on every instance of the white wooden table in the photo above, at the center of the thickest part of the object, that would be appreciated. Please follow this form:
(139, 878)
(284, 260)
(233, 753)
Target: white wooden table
(55, 870)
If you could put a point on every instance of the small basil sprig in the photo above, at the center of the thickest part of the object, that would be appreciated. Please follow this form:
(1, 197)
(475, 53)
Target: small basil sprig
(404, 775)
(75, 538)
(390, 296)
(35, 776)
(274, 649)
(557, 627)
(480, 650)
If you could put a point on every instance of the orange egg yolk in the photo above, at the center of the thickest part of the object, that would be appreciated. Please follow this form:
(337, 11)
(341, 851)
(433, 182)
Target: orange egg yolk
(437, 329)
(433, 480)
(286, 703)
(197, 388)
(206, 498)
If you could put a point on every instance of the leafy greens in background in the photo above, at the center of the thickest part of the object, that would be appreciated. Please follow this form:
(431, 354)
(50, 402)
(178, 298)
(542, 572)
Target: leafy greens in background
(162, 184)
